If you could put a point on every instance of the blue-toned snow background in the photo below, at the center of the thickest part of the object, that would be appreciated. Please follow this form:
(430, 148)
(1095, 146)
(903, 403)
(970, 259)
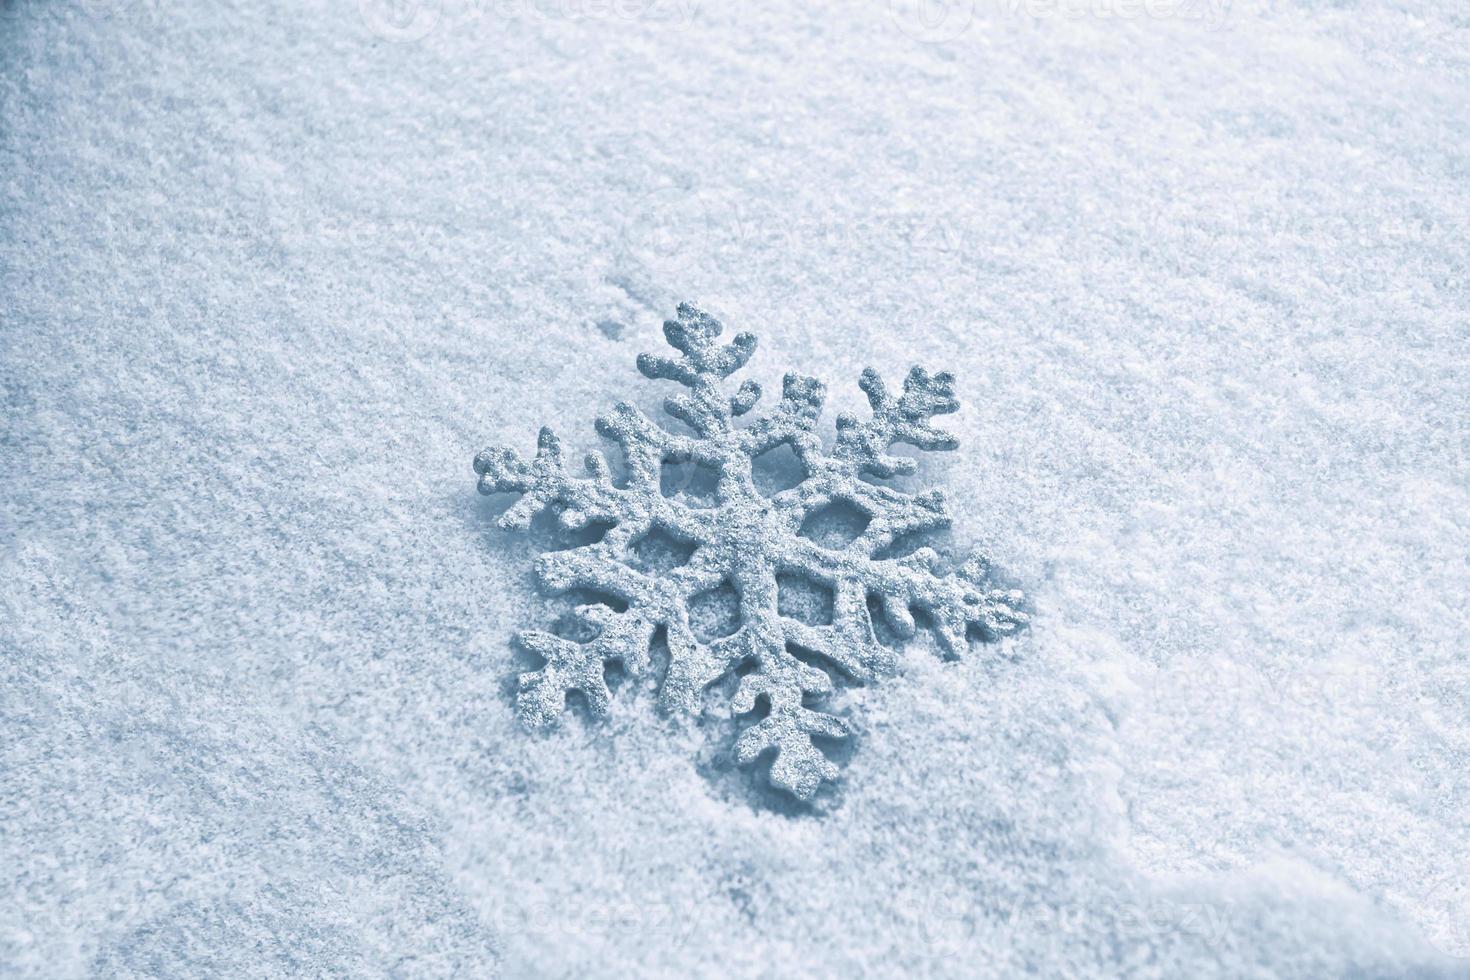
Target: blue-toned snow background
(268, 279)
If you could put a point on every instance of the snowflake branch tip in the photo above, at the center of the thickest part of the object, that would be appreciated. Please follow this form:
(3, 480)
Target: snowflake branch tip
(904, 419)
(745, 398)
(703, 361)
(569, 667)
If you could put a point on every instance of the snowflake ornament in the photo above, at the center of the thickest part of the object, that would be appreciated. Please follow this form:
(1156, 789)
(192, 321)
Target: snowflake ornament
(745, 541)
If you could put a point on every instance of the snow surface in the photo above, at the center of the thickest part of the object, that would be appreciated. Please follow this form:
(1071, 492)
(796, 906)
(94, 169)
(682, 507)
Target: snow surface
(273, 273)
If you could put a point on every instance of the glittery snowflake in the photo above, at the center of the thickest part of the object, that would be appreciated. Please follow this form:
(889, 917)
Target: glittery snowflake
(749, 542)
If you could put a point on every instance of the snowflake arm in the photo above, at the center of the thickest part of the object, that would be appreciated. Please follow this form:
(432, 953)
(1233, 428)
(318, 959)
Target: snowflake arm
(902, 419)
(799, 766)
(574, 666)
(545, 483)
(703, 364)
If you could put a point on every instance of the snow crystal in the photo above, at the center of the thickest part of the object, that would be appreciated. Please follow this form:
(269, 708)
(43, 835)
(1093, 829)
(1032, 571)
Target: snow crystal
(746, 541)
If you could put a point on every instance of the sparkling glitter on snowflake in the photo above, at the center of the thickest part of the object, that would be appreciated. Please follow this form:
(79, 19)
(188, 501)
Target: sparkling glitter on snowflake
(745, 541)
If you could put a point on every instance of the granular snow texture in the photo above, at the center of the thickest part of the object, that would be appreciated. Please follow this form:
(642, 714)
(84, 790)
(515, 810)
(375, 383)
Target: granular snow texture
(272, 273)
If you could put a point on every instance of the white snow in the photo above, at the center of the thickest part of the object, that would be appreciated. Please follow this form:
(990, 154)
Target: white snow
(269, 279)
